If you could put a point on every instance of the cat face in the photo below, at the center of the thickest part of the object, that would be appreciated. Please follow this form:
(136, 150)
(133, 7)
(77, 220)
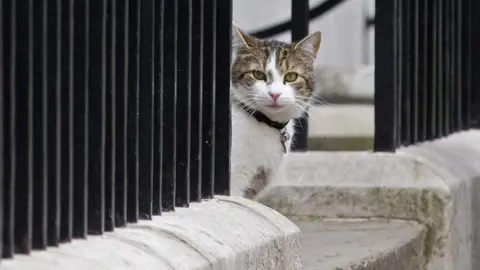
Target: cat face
(273, 77)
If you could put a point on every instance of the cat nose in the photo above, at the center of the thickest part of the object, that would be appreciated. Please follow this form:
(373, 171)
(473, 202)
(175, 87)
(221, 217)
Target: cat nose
(274, 96)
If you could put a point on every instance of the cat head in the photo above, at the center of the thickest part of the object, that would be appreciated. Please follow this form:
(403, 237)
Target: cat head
(273, 77)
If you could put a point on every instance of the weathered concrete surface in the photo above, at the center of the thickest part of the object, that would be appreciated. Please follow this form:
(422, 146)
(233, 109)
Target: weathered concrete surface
(436, 184)
(361, 244)
(224, 233)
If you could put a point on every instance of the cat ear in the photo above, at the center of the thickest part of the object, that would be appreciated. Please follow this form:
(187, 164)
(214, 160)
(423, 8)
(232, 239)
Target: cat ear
(310, 44)
(241, 39)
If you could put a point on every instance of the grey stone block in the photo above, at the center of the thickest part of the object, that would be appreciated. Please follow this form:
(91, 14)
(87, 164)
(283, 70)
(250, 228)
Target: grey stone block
(435, 183)
(223, 234)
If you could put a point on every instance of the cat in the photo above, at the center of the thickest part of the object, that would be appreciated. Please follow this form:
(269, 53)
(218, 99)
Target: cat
(272, 83)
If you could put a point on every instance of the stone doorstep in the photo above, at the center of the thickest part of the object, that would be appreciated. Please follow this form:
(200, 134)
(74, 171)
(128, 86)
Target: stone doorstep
(361, 244)
(434, 183)
(226, 233)
(364, 185)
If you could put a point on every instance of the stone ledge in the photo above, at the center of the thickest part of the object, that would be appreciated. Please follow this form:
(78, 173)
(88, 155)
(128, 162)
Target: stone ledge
(361, 244)
(436, 184)
(224, 233)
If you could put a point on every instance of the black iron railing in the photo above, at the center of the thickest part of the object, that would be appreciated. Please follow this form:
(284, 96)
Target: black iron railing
(110, 111)
(426, 61)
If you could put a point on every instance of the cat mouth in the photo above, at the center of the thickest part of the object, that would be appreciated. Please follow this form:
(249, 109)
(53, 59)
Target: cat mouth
(274, 106)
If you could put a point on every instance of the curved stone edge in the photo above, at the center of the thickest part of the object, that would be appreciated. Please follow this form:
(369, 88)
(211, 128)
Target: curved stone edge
(224, 234)
(435, 183)
(407, 255)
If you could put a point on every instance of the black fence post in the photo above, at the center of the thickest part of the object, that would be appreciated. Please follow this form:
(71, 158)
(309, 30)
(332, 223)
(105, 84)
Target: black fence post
(133, 110)
(146, 107)
(121, 87)
(111, 114)
(170, 23)
(24, 88)
(466, 51)
(222, 97)
(81, 59)
(158, 109)
(475, 62)
(97, 115)
(196, 102)
(40, 142)
(385, 67)
(208, 121)
(66, 89)
(9, 62)
(2, 159)
(184, 101)
(300, 22)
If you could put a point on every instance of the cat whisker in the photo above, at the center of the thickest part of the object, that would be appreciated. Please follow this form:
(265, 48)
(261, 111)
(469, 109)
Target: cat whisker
(319, 100)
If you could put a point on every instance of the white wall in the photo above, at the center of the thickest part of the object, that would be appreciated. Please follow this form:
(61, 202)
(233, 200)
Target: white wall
(344, 41)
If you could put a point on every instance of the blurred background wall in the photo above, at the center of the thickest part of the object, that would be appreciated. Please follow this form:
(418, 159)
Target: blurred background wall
(346, 40)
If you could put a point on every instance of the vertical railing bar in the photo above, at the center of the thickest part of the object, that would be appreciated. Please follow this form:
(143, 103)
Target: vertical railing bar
(430, 71)
(459, 69)
(406, 68)
(446, 67)
(475, 64)
(466, 50)
(122, 114)
(66, 226)
(2, 153)
(81, 137)
(158, 109)
(223, 111)
(208, 108)
(169, 105)
(197, 102)
(434, 67)
(110, 137)
(184, 52)
(24, 99)
(423, 102)
(385, 92)
(400, 78)
(55, 97)
(440, 66)
(132, 162)
(97, 95)
(300, 23)
(10, 132)
(416, 74)
(40, 130)
(55, 190)
(452, 72)
(146, 99)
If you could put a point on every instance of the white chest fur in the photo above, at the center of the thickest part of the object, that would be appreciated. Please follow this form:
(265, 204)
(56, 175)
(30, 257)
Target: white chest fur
(254, 145)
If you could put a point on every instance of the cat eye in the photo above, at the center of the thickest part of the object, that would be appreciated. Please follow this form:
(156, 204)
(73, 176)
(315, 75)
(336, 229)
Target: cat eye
(290, 77)
(257, 74)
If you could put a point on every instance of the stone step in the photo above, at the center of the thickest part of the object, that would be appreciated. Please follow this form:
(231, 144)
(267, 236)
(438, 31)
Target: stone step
(341, 127)
(361, 244)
